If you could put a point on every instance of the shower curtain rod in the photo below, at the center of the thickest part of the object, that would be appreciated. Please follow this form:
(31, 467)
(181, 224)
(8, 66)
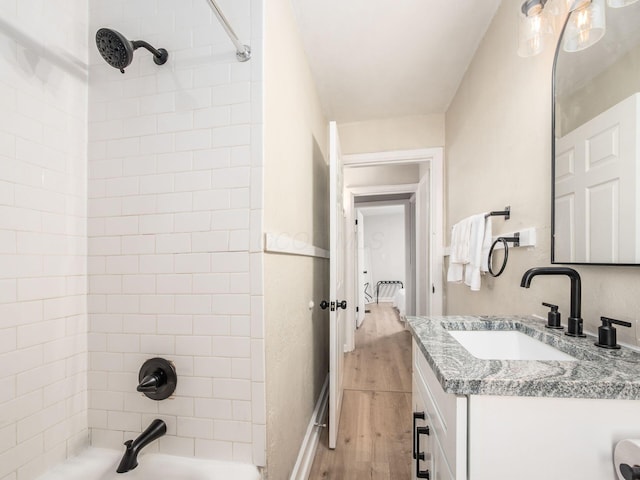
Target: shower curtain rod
(243, 52)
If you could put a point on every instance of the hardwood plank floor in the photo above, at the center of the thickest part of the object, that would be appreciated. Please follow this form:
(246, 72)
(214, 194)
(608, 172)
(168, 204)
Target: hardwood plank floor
(374, 439)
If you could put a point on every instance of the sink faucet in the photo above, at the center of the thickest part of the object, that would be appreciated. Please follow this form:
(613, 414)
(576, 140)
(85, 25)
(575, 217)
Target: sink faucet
(129, 461)
(574, 325)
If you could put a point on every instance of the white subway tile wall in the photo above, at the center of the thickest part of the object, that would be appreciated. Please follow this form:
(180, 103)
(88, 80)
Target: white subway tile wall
(43, 252)
(174, 230)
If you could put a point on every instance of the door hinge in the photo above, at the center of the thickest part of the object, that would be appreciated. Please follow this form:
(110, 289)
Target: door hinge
(357, 309)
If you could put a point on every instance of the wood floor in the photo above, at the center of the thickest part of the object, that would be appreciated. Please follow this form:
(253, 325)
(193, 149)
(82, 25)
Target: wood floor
(374, 439)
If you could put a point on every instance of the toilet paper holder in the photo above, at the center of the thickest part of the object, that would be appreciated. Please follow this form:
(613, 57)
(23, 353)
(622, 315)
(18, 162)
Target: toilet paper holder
(629, 472)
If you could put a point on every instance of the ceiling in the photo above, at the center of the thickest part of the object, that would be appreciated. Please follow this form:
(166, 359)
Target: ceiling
(375, 59)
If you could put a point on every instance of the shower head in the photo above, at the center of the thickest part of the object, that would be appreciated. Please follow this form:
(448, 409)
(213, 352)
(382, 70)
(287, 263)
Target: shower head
(117, 51)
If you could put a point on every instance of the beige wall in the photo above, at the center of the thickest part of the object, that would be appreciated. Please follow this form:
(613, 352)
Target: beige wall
(403, 133)
(296, 204)
(381, 175)
(498, 132)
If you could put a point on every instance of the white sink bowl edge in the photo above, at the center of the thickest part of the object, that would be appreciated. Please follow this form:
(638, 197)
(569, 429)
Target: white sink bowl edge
(506, 345)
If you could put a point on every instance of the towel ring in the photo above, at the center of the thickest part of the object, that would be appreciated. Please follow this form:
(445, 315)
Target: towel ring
(504, 261)
(505, 242)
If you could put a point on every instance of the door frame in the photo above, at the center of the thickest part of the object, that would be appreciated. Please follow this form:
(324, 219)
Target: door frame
(360, 266)
(430, 158)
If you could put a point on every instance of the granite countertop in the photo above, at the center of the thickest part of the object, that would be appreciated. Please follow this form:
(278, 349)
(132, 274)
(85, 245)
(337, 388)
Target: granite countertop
(597, 372)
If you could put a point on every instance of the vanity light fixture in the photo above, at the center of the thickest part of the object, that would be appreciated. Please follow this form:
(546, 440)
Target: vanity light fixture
(533, 7)
(533, 28)
(585, 26)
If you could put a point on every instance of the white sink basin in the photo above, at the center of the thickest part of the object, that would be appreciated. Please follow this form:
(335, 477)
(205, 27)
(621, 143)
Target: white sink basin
(506, 345)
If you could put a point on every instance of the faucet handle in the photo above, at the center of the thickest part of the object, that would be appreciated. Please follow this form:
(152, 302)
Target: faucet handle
(553, 317)
(152, 382)
(607, 333)
(608, 321)
(157, 379)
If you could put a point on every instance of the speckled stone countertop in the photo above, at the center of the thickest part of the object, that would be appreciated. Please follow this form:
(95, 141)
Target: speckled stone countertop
(596, 373)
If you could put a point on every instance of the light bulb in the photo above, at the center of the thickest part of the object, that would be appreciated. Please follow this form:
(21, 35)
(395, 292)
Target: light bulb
(558, 7)
(533, 29)
(585, 26)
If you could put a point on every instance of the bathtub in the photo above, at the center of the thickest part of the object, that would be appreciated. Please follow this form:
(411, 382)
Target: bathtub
(101, 464)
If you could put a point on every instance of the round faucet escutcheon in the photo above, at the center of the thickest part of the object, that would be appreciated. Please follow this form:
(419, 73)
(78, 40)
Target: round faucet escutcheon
(157, 378)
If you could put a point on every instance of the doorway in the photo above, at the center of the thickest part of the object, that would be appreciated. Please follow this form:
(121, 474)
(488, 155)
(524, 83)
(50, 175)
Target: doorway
(384, 257)
(415, 177)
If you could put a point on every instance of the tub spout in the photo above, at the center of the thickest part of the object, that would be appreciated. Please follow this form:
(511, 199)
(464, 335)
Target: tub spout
(129, 461)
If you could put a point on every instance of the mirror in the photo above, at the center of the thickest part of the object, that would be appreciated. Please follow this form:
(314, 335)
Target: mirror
(595, 216)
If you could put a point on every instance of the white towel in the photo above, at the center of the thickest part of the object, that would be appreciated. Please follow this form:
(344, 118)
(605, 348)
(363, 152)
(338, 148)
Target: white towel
(476, 244)
(460, 249)
(486, 244)
(470, 244)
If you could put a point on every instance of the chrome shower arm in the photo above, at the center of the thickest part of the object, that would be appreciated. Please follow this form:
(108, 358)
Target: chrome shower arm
(243, 52)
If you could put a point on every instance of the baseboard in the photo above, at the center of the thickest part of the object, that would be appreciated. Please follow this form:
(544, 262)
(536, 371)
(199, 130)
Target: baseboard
(307, 452)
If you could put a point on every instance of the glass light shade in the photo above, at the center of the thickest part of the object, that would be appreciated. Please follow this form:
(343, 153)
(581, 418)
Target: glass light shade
(533, 31)
(562, 7)
(558, 7)
(620, 3)
(577, 4)
(585, 26)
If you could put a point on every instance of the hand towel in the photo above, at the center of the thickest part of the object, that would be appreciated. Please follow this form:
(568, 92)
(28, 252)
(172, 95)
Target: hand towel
(486, 244)
(476, 243)
(459, 256)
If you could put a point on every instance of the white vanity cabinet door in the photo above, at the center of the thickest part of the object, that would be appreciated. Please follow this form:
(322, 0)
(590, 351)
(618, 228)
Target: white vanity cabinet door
(440, 466)
(447, 418)
(535, 438)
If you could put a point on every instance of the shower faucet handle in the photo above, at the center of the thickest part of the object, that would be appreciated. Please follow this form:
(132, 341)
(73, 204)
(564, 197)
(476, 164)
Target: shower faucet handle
(157, 379)
(152, 382)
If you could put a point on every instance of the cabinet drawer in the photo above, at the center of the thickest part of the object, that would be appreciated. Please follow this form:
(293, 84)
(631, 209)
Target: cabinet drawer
(447, 414)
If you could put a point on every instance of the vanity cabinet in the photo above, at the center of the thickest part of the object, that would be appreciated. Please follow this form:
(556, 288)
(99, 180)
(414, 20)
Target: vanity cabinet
(498, 437)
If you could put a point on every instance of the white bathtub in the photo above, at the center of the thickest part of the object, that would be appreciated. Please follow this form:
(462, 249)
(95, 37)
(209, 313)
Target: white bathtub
(101, 464)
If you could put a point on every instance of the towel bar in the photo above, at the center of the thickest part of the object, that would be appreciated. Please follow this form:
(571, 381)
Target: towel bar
(506, 213)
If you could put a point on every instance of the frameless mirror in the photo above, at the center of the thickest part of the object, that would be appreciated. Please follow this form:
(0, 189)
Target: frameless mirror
(595, 217)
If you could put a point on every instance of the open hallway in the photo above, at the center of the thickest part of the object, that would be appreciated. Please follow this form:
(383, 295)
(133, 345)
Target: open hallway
(374, 440)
